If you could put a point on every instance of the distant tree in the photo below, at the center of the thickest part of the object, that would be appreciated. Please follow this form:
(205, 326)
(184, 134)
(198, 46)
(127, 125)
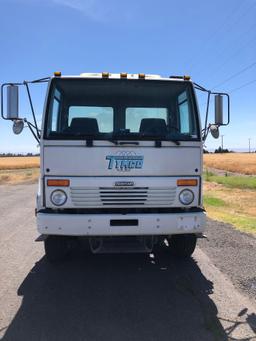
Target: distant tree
(220, 150)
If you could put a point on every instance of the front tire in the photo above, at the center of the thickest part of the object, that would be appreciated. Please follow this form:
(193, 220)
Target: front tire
(56, 248)
(182, 245)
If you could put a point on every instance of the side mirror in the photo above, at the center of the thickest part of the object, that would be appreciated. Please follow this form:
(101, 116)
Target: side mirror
(218, 110)
(214, 129)
(18, 126)
(12, 102)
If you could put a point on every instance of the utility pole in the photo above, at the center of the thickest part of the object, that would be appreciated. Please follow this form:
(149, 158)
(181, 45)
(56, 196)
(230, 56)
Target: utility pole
(222, 141)
(249, 144)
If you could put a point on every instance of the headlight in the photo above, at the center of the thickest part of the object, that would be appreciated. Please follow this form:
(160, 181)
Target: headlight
(58, 197)
(186, 196)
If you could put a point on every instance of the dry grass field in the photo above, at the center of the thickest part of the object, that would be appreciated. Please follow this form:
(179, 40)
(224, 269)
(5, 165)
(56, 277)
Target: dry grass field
(19, 169)
(243, 163)
(231, 205)
(19, 162)
(231, 197)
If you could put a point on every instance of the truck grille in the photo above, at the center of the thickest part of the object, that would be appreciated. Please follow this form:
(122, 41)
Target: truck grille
(123, 196)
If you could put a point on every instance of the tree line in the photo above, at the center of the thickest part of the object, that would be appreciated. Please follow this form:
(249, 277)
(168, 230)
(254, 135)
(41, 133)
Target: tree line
(18, 154)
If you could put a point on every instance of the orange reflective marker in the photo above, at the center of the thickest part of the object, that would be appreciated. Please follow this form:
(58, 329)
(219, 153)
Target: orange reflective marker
(187, 182)
(58, 182)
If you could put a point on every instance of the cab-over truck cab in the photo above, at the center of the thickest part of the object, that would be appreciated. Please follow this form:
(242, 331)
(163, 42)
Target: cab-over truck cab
(120, 162)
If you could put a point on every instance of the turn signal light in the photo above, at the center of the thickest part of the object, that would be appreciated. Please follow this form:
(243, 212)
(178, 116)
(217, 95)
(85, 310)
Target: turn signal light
(123, 75)
(105, 74)
(58, 182)
(187, 182)
(141, 75)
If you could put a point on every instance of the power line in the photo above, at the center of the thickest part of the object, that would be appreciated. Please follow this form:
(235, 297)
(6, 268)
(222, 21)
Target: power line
(222, 26)
(237, 51)
(236, 89)
(235, 75)
(242, 86)
(216, 31)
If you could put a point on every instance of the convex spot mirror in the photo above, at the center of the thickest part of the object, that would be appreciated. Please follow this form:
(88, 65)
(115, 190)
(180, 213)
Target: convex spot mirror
(12, 102)
(218, 110)
(18, 126)
(214, 129)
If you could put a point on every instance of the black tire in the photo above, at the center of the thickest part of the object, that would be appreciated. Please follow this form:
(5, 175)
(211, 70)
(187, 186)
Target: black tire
(182, 245)
(56, 248)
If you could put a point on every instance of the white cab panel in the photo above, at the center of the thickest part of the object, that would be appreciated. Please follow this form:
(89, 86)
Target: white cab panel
(79, 160)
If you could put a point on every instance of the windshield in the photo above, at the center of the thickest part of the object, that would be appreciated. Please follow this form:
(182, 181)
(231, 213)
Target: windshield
(121, 108)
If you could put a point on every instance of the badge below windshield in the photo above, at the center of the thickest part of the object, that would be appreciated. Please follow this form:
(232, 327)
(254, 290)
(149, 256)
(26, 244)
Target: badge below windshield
(125, 161)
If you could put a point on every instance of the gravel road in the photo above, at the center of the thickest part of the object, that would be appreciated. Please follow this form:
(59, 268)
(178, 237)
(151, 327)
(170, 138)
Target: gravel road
(124, 297)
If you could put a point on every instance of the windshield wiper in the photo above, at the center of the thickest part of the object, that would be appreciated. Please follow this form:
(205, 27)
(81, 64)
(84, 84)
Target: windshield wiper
(121, 143)
(88, 137)
(123, 134)
(126, 134)
(159, 138)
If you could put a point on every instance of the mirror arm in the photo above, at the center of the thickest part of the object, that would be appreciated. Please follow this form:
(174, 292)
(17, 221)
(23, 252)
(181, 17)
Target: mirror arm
(32, 109)
(30, 125)
(206, 129)
(199, 87)
(41, 80)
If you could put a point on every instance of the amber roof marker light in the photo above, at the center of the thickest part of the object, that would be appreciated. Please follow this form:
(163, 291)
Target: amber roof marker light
(105, 74)
(57, 74)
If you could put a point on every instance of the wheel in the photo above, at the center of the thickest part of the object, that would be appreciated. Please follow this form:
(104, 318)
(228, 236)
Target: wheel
(56, 248)
(182, 245)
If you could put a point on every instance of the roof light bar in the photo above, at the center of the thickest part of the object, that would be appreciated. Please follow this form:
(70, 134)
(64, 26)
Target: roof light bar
(186, 77)
(177, 77)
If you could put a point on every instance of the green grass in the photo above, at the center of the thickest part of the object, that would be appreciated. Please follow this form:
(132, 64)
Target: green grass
(229, 212)
(212, 201)
(242, 222)
(244, 182)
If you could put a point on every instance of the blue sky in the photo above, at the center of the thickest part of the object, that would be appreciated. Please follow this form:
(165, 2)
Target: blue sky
(214, 42)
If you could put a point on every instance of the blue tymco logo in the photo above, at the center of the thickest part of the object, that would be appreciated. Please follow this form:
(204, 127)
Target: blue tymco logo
(125, 161)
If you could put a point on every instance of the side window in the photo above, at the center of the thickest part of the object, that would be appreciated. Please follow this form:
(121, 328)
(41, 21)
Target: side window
(55, 110)
(184, 116)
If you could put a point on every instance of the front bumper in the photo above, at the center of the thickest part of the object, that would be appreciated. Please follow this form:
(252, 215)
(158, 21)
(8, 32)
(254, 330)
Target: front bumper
(100, 224)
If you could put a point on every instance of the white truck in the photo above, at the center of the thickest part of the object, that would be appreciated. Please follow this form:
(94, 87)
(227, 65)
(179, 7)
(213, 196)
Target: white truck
(120, 161)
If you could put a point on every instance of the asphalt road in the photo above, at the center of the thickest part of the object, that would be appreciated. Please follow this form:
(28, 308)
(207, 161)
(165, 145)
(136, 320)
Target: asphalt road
(121, 297)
